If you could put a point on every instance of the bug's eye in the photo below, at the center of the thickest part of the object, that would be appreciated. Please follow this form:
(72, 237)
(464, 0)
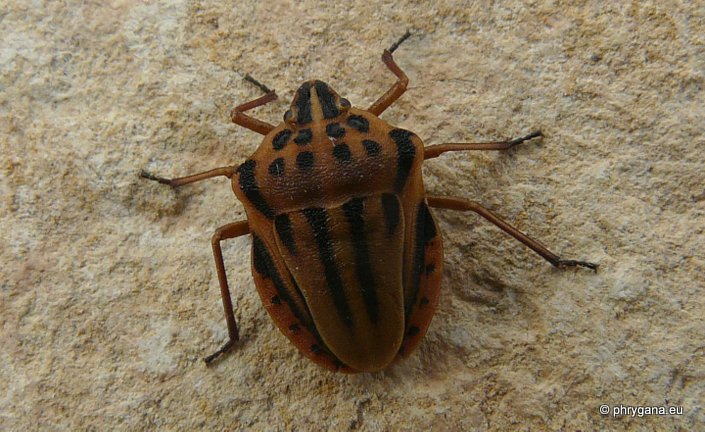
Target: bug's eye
(344, 104)
(289, 117)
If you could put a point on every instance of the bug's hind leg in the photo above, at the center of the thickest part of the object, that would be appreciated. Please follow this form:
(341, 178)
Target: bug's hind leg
(535, 245)
(399, 87)
(231, 230)
(239, 117)
(433, 151)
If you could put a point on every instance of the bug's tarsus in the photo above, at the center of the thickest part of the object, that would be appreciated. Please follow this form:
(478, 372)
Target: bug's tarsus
(150, 176)
(576, 263)
(225, 348)
(261, 86)
(396, 44)
(532, 135)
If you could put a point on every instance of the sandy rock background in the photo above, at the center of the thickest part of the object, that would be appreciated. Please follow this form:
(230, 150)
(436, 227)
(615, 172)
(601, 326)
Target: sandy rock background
(108, 293)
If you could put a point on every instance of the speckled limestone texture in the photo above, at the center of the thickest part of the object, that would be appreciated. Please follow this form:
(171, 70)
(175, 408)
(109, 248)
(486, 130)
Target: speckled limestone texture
(108, 294)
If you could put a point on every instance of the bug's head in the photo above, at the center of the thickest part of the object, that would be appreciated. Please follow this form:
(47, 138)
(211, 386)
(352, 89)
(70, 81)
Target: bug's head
(315, 101)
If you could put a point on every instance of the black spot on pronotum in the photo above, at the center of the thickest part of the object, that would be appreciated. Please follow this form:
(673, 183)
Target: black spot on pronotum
(359, 123)
(317, 219)
(371, 147)
(294, 327)
(304, 137)
(248, 185)
(276, 168)
(353, 210)
(327, 100)
(316, 349)
(342, 152)
(424, 301)
(412, 331)
(390, 206)
(304, 160)
(430, 268)
(282, 224)
(281, 139)
(334, 130)
(303, 104)
(406, 152)
(276, 300)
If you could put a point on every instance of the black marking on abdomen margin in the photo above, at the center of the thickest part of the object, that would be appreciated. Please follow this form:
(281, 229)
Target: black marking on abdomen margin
(425, 231)
(353, 213)
(405, 155)
(317, 218)
(248, 184)
(390, 206)
(327, 100)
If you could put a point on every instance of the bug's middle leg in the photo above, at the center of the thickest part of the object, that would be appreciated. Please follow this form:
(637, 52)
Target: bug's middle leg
(535, 245)
(231, 230)
(399, 87)
(433, 151)
(180, 181)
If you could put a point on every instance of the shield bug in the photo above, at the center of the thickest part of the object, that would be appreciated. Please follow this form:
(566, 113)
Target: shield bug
(346, 254)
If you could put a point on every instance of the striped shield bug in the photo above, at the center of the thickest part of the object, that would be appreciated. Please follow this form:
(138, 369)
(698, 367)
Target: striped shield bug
(347, 256)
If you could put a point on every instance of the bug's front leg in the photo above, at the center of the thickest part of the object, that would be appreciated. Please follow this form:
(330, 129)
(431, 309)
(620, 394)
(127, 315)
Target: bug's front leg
(535, 245)
(231, 230)
(239, 117)
(399, 87)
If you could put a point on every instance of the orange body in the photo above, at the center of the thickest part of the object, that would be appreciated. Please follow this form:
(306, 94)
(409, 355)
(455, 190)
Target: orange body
(346, 255)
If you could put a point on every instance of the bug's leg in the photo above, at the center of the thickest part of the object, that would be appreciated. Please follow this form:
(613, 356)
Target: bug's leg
(536, 246)
(180, 181)
(433, 151)
(239, 117)
(225, 232)
(399, 87)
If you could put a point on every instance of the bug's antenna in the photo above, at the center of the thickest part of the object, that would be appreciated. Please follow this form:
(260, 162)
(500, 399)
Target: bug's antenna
(397, 43)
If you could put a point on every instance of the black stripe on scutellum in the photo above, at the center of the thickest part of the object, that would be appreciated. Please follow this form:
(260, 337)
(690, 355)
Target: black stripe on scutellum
(264, 265)
(317, 218)
(353, 213)
(282, 224)
(405, 155)
(248, 185)
(390, 206)
(425, 231)
(303, 104)
(327, 100)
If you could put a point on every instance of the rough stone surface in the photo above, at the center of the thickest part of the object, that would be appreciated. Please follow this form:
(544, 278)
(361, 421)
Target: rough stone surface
(108, 295)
